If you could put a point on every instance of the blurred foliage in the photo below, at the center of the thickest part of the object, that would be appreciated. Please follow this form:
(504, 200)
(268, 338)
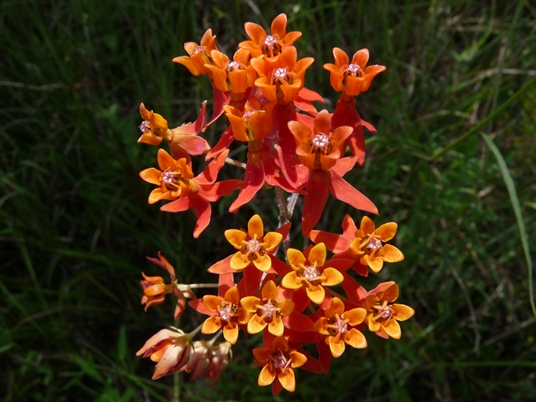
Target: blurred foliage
(75, 226)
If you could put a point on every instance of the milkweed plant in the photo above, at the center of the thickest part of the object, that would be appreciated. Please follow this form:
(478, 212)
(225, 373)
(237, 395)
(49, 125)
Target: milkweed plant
(301, 297)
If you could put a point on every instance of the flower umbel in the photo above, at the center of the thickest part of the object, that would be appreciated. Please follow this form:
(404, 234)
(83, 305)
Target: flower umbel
(279, 361)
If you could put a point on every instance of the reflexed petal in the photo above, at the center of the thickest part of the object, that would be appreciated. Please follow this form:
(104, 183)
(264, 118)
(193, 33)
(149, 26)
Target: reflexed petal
(337, 347)
(356, 339)
(256, 227)
(287, 380)
(367, 225)
(211, 325)
(315, 200)
(291, 281)
(272, 241)
(212, 302)
(332, 277)
(250, 303)
(375, 264)
(256, 324)
(295, 257)
(235, 237)
(356, 315)
(269, 290)
(203, 211)
(266, 376)
(391, 253)
(387, 231)
(393, 329)
(315, 293)
(232, 296)
(318, 255)
(345, 192)
(263, 263)
(287, 307)
(402, 312)
(334, 242)
(230, 334)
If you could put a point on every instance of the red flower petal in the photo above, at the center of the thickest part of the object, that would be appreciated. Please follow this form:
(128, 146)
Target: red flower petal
(315, 200)
(343, 191)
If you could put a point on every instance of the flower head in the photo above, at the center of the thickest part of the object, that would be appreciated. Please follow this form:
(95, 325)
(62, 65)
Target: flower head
(281, 80)
(170, 349)
(155, 289)
(253, 122)
(254, 246)
(352, 78)
(269, 46)
(369, 244)
(226, 313)
(309, 273)
(267, 310)
(235, 76)
(154, 127)
(383, 314)
(321, 149)
(336, 326)
(279, 361)
(198, 55)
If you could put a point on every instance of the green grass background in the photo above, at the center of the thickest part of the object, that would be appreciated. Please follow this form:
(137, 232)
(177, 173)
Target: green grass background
(75, 226)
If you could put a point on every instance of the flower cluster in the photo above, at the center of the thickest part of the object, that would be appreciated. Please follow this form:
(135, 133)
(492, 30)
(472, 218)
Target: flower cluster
(296, 298)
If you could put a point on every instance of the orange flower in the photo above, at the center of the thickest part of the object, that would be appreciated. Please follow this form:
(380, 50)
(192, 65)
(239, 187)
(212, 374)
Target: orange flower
(170, 349)
(198, 55)
(382, 314)
(176, 182)
(363, 247)
(254, 247)
(154, 127)
(252, 123)
(155, 290)
(174, 178)
(335, 326)
(368, 244)
(308, 272)
(235, 76)
(352, 78)
(267, 311)
(225, 313)
(281, 80)
(322, 149)
(279, 361)
(269, 45)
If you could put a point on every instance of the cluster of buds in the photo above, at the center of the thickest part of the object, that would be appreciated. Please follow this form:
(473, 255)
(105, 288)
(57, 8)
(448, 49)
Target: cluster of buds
(293, 299)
